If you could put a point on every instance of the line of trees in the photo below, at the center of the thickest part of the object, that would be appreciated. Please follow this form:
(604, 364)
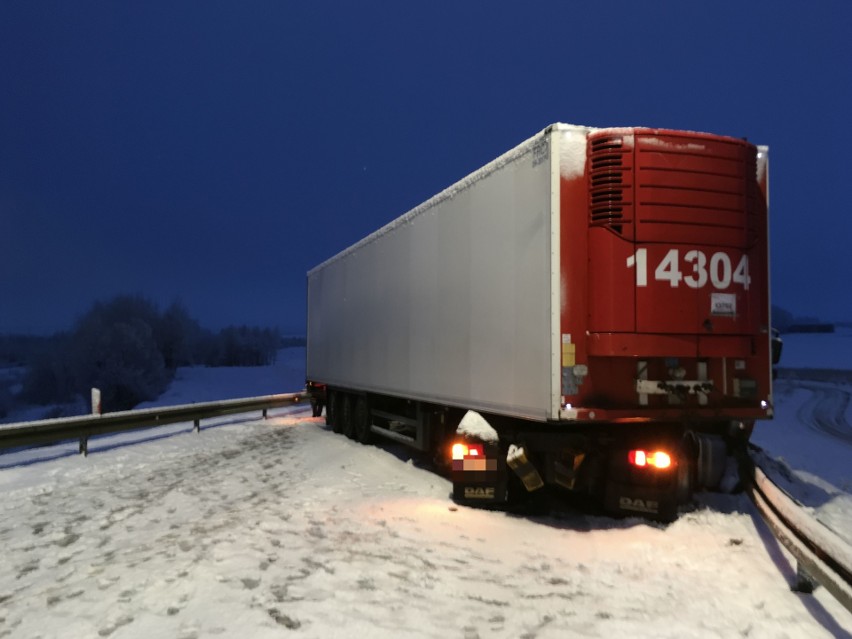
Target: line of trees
(130, 350)
(785, 321)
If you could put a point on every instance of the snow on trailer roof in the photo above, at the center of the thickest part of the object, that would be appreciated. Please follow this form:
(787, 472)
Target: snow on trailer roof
(466, 182)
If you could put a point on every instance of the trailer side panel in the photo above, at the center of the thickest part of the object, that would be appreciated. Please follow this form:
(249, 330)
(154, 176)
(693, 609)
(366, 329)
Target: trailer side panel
(451, 303)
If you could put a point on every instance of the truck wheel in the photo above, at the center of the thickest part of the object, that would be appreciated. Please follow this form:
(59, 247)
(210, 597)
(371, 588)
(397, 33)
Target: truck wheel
(362, 422)
(347, 418)
(334, 412)
(684, 485)
(684, 479)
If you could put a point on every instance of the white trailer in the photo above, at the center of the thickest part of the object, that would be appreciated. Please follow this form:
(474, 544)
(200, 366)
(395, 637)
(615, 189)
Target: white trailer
(598, 296)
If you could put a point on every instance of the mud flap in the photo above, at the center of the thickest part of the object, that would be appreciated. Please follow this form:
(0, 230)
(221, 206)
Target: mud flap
(641, 492)
(481, 482)
(643, 501)
(480, 494)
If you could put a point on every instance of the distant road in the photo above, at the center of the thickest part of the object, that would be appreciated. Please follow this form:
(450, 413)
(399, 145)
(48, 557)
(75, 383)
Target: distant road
(839, 376)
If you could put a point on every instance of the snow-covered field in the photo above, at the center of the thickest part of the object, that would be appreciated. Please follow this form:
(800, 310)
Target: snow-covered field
(818, 350)
(203, 384)
(273, 528)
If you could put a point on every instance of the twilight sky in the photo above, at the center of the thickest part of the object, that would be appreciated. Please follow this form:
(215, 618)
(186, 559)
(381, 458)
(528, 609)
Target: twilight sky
(212, 152)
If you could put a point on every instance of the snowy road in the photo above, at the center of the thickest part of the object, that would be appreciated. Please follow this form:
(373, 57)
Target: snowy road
(808, 448)
(281, 528)
(826, 409)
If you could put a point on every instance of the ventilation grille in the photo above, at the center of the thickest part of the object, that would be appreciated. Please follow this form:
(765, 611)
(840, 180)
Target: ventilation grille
(691, 188)
(609, 160)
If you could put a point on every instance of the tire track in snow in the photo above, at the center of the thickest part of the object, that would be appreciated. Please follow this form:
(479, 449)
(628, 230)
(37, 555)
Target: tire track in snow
(825, 410)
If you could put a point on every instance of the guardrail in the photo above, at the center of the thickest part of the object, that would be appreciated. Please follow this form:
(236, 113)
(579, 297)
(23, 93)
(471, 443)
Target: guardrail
(51, 431)
(822, 557)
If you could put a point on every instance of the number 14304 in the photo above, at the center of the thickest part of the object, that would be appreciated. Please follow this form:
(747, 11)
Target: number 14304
(694, 269)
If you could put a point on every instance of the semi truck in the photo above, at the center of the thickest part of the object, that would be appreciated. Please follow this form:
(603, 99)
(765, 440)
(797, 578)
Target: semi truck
(588, 313)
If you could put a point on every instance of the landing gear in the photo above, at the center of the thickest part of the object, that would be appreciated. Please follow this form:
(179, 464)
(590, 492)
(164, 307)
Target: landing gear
(318, 396)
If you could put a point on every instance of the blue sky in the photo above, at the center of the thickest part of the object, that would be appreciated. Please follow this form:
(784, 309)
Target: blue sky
(212, 152)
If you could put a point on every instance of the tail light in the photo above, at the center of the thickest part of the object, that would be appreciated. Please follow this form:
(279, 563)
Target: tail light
(462, 451)
(644, 459)
(471, 457)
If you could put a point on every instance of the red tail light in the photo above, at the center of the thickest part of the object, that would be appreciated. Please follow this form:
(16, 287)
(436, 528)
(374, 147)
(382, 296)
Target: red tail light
(643, 459)
(467, 451)
(471, 457)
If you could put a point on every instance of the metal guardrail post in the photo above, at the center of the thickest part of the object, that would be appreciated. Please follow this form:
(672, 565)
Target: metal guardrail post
(805, 584)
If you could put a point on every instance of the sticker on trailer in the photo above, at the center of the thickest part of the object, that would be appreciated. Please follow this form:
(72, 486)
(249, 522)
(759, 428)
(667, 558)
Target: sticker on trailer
(569, 350)
(541, 151)
(723, 304)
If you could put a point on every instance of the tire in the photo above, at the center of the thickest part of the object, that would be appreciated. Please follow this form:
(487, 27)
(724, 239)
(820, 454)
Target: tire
(347, 418)
(684, 481)
(362, 421)
(333, 414)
